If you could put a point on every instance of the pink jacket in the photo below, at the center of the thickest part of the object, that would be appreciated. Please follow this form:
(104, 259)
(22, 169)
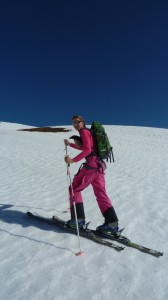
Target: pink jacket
(87, 147)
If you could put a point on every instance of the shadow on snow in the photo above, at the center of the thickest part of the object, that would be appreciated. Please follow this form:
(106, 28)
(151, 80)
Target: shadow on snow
(21, 218)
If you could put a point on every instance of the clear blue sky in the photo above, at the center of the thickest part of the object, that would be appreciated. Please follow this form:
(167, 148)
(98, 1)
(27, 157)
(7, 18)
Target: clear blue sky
(106, 60)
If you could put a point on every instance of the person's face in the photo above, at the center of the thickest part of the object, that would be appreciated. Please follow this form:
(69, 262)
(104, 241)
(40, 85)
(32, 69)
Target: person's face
(78, 124)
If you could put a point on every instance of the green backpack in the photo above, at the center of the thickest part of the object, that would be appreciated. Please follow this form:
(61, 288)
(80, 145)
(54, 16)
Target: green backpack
(103, 148)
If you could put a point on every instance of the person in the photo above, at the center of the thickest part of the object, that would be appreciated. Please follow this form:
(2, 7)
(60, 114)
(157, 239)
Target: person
(90, 172)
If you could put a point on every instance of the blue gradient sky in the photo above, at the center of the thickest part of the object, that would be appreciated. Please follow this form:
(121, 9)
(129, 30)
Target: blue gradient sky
(106, 60)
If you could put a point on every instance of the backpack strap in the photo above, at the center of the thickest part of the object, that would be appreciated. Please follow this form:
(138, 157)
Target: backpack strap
(91, 154)
(100, 166)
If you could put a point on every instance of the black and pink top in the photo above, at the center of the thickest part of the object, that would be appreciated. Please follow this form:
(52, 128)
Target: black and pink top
(87, 147)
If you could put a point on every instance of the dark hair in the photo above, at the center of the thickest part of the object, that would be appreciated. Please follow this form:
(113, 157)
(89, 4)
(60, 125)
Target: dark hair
(77, 138)
(80, 118)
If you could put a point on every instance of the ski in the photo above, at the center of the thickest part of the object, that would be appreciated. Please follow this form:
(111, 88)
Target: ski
(86, 233)
(97, 236)
(119, 238)
(124, 240)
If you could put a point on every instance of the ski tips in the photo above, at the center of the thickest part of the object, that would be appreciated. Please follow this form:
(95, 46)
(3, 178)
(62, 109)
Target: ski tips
(80, 253)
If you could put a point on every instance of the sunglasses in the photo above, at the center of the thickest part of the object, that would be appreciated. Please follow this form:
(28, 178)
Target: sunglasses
(76, 122)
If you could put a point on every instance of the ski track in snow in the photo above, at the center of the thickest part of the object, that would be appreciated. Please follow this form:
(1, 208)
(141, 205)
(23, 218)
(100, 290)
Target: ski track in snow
(38, 261)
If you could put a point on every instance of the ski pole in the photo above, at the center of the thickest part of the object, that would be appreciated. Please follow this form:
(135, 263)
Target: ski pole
(74, 205)
(68, 209)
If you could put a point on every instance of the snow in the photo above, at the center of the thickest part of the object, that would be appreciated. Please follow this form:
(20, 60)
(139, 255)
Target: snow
(38, 261)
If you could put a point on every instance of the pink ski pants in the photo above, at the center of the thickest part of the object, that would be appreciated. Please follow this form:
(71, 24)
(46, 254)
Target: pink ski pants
(82, 180)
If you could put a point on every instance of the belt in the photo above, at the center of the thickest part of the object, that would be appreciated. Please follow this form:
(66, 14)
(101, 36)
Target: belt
(91, 154)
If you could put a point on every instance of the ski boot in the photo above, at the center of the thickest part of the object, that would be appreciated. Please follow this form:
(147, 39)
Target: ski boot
(109, 228)
(72, 224)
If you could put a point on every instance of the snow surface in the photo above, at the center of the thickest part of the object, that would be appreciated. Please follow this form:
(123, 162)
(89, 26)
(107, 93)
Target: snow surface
(38, 261)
